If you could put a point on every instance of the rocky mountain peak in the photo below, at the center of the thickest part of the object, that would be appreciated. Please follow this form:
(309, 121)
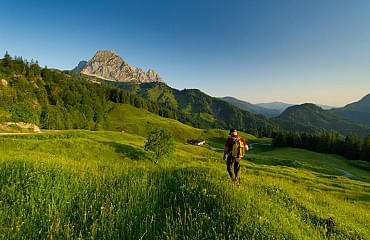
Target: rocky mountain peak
(106, 56)
(80, 66)
(106, 64)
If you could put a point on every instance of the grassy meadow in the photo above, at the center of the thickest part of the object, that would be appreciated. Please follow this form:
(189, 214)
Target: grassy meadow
(96, 185)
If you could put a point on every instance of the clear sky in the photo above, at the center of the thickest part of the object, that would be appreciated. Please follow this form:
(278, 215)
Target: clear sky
(293, 51)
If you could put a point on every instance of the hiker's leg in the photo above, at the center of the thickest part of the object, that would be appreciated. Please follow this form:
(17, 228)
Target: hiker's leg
(230, 167)
(237, 169)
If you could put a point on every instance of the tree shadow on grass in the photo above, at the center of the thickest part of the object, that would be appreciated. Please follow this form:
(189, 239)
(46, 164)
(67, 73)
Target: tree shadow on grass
(127, 150)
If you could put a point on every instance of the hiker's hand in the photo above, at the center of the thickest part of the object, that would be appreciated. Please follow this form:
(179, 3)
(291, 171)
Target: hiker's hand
(224, 157)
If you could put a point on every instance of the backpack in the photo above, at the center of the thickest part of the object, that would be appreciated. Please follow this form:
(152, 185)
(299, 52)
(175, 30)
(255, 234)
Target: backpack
(237, 149)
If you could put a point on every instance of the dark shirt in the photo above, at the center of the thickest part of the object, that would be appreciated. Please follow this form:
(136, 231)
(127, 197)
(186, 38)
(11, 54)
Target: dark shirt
(229, 143)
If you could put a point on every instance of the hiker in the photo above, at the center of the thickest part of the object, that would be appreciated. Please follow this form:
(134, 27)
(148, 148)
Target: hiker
(235, 147)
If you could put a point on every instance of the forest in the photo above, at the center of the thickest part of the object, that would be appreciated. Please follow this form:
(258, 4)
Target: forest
(351, 146)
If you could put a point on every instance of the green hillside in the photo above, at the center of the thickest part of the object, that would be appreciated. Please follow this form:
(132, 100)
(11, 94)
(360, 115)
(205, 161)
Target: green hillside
(218, 113)
(311, 118)
(133, 120)
(94, 185)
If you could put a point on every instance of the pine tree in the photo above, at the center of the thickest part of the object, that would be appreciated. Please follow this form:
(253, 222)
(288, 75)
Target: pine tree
(7, 61)
(365, 153)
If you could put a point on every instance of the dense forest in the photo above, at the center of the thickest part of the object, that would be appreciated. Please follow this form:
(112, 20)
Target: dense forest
(351, 146)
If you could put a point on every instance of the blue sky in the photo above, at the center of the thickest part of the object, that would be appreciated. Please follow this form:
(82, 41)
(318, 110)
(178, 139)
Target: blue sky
(293, 51)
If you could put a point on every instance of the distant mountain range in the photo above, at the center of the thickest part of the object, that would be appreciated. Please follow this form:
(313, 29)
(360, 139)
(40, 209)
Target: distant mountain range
(277, 106)
(106, 64)
(303, 118)
(272, 109)
(311, 118)
(255, 108)
(67, 99)
(228, 111)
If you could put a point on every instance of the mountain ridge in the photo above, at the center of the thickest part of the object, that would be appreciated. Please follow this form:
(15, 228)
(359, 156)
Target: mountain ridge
(358, 111)
(108, 65)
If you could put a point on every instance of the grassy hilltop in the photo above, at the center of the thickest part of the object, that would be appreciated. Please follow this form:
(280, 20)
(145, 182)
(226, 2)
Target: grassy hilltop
(129, 119)
(94, 185)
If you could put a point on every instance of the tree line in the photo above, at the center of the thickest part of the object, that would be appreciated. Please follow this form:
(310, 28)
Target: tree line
(351, 146)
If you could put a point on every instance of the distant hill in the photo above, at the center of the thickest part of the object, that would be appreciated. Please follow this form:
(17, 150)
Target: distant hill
(281, 106)
(278, 106)
(108, 65)
(310, 118)
(254, 108)
(358, 111)
(325, 107)
(217, 112)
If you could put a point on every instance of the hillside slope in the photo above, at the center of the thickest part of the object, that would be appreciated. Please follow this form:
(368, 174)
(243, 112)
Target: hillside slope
(126, 118)
(358, 111)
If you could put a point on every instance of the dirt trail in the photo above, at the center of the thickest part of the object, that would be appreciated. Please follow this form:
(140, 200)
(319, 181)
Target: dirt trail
(350, 175)
(2, 134)
(347, 174)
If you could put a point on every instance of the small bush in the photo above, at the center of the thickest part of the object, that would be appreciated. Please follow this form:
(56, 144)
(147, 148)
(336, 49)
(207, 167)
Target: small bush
(160, 142)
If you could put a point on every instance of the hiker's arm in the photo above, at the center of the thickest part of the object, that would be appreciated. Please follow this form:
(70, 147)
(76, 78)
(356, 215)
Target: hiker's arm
(226, 149)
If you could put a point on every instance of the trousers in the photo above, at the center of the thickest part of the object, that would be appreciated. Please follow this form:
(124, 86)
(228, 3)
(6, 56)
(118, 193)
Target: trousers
(233, 168)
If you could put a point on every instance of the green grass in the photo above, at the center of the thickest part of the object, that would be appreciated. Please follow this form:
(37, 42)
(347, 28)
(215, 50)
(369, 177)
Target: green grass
(102, 185)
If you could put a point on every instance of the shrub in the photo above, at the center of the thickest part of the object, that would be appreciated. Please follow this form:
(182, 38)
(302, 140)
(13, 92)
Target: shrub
(160, 142)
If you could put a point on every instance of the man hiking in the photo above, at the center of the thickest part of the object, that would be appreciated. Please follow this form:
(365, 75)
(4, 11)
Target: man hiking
(235, 147)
